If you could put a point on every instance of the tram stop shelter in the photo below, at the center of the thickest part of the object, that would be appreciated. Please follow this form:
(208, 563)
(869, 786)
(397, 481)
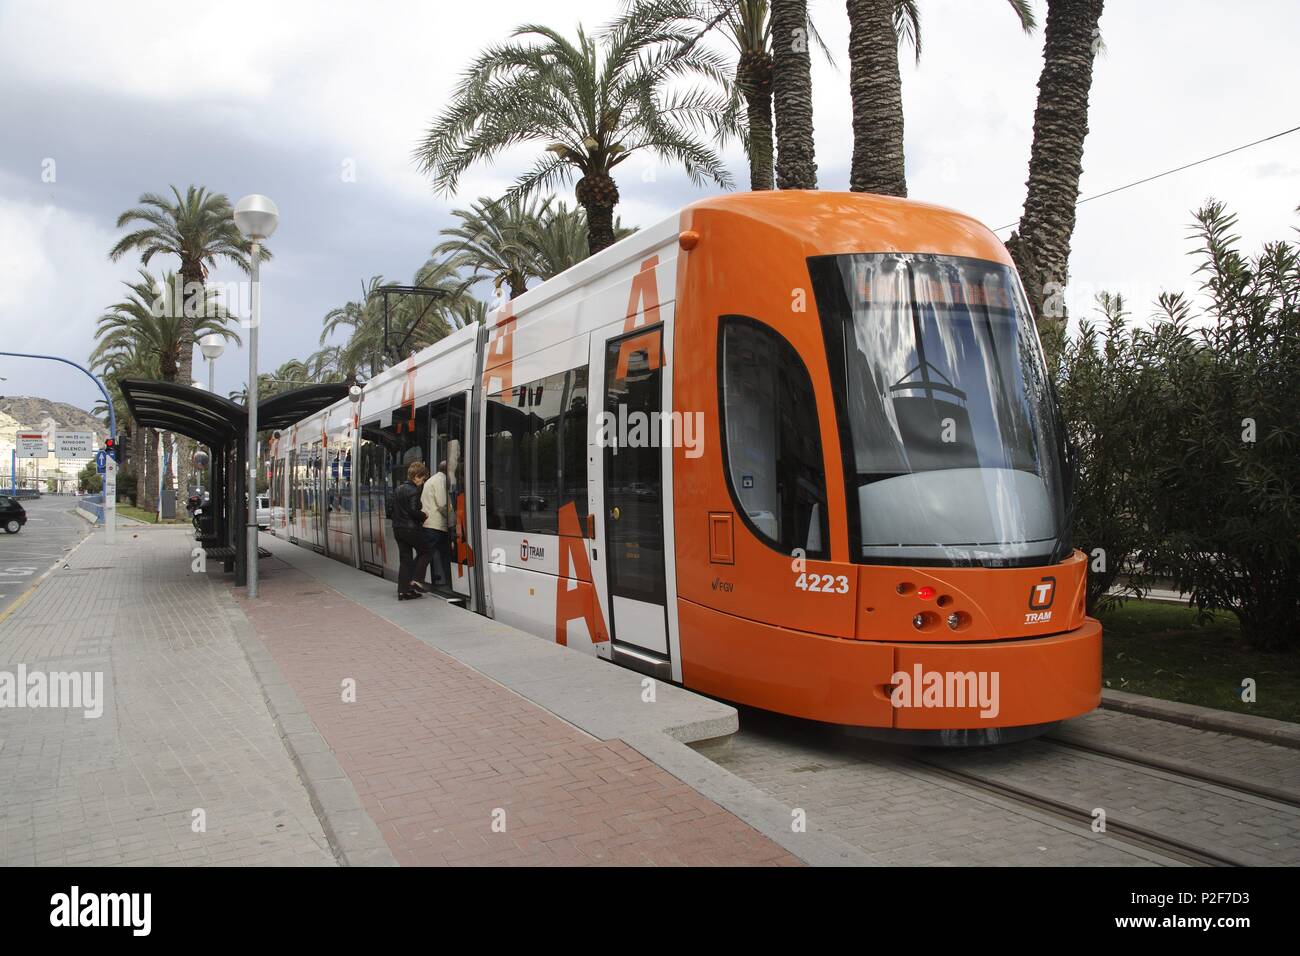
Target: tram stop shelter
(222, 426)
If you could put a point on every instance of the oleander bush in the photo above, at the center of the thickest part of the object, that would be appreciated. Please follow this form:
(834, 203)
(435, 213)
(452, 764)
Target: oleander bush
(1187, 439)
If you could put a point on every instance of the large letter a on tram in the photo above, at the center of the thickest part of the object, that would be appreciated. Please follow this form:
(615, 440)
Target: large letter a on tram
(642, 312)
(575, 596)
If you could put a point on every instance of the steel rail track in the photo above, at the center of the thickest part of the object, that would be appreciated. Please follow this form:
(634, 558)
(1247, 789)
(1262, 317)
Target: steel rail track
(1179, 768)
(1163, 843)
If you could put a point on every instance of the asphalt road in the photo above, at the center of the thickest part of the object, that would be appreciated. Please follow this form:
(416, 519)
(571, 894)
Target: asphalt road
(52, 530)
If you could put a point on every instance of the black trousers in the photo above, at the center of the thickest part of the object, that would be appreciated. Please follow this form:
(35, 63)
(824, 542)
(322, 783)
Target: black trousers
(439, 545)
(412, 557)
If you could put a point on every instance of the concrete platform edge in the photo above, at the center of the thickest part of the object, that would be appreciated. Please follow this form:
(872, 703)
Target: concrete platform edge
(1279, 732)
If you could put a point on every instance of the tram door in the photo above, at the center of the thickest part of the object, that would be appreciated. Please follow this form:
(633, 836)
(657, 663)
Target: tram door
(633, 499)
(447, 440)
(373, 478)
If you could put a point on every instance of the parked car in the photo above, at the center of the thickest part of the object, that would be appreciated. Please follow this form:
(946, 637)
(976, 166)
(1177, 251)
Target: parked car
(12, 515)
(263, 511)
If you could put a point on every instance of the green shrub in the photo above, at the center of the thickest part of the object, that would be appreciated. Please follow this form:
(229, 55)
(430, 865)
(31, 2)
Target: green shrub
(1187, 441)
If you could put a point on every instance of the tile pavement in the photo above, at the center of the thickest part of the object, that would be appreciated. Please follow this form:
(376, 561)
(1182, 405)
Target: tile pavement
(184, 725)
(456, 769)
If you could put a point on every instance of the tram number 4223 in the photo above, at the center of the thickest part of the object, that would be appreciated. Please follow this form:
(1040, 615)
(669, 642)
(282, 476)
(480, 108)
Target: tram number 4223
(823, 583)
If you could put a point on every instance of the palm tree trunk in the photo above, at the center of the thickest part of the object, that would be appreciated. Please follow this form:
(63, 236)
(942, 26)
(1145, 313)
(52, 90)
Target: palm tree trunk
(876, 88)
(168, 459)
(184, 472)
(192, 280)
(150, 500)
(598, 195)
(1041, 246)
(796, 166)
(754, 78)
(758, 110)
(137, 462)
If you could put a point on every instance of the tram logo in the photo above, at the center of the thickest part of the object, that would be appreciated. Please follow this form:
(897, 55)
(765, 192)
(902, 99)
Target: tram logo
(527, 551)
(1042, 594)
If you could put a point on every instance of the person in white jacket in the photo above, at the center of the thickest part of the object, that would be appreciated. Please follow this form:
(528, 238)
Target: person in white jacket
(435, 502)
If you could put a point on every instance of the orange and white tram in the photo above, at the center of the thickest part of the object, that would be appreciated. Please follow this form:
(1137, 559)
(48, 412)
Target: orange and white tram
(796, 450)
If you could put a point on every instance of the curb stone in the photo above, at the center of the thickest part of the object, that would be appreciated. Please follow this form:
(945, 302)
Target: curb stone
(1280, 732)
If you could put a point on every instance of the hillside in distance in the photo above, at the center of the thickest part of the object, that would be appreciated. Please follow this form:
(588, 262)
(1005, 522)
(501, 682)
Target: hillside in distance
(30, 412)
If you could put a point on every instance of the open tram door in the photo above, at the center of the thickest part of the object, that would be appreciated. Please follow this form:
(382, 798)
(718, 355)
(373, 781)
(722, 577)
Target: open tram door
(631, 481)
(447, 438)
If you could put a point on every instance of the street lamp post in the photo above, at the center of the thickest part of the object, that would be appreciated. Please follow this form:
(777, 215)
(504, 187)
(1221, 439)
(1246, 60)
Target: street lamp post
(256, 218)
(212, 346)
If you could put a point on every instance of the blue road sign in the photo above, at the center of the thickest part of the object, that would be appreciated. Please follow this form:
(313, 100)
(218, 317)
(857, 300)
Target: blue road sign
(100, 457)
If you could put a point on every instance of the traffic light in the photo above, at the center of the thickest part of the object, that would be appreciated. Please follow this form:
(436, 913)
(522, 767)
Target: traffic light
(110, 447)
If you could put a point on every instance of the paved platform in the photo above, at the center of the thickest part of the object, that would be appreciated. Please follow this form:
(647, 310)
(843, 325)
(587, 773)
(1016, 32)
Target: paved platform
(184, 738)
(233, 712)
(456, 765)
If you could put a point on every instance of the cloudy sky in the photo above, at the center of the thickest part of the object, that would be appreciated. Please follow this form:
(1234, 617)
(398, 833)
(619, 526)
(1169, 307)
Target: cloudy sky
(277, 98)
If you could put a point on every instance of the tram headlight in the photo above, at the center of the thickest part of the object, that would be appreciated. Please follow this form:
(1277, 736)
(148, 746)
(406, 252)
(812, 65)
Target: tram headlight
(918, 622)
(954, 620)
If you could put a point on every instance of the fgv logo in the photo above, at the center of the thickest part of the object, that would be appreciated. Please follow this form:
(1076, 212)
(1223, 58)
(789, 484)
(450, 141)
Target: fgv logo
(526, 551)
(1041, 596)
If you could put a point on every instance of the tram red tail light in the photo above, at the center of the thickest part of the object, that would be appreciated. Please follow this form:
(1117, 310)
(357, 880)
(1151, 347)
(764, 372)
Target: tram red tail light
(925, 593)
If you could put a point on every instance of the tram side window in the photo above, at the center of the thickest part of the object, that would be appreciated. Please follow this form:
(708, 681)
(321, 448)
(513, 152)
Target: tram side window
(407, 441)
(773, 445)
(525, 428)
(573, 445)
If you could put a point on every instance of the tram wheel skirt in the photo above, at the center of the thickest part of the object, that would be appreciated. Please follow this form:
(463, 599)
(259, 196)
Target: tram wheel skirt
(916, 686)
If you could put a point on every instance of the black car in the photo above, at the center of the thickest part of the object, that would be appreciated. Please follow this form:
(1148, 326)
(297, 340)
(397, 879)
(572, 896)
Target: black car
(12, 515)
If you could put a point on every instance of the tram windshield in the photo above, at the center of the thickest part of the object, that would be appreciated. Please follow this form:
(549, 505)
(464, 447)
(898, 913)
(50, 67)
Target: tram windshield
(956, 451)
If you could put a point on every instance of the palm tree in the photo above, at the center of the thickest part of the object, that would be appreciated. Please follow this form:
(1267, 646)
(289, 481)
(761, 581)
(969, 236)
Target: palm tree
(749, 31)
(467, 310)
(1041, 245)
(489, 241)
(364, 325)
(442, 275)
(558, 240)
(152, 318)
(160, 319)
(128, 360)
(363, 320)
(595, 102)
(326, 365)
(199, 229)
(796, 166)
(746, 26)
(876, 28)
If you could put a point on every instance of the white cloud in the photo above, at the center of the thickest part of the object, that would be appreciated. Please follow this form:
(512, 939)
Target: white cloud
(55, 280)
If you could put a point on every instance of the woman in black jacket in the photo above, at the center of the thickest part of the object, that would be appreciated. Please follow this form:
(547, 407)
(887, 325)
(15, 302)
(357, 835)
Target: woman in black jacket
(408, 528)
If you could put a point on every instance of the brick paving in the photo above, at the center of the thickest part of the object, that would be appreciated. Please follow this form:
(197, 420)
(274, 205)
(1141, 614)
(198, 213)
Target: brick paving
(184, 725)
(438, 753)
